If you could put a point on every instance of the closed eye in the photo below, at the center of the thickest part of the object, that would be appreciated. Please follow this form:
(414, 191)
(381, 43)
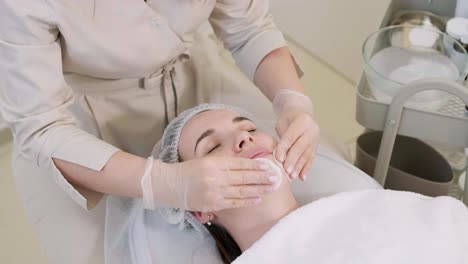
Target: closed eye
(213, 149)
(252, 130)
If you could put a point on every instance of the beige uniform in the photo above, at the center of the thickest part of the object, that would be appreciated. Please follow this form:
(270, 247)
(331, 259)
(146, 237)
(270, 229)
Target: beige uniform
(80, 80)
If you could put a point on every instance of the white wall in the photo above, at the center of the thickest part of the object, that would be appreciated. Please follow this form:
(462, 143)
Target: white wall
(332, 30)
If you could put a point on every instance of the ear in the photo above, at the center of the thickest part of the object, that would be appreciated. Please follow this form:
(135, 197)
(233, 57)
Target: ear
(203, 217)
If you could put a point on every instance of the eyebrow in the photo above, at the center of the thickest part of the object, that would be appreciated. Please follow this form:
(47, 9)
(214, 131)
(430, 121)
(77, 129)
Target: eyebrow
(204, 135)
(240, 118)
(208, 132)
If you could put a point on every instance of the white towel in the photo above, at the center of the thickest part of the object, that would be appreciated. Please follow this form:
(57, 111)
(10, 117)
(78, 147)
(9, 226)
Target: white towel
(373, 226)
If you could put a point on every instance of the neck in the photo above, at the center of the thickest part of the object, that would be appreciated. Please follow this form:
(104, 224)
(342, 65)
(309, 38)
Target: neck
(250, 225)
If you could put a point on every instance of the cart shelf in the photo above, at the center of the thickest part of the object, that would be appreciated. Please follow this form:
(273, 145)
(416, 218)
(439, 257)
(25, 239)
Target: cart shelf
(447, 125)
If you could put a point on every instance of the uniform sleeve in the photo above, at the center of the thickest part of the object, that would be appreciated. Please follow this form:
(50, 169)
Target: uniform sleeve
(247, 29)
(35, 100)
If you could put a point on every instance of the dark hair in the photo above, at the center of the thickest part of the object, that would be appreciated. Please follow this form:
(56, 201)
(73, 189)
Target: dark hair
(227, 246)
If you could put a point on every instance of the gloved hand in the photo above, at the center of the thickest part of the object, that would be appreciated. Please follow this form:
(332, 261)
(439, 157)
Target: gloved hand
(298, 131)
(206, 184)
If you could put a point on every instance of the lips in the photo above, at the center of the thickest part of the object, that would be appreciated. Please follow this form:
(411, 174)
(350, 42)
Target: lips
(259, 153)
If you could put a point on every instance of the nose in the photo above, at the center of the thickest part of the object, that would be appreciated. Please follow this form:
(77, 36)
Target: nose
(243, 139)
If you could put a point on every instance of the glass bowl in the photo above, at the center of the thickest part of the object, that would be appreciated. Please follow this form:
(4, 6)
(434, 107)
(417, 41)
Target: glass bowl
(419, 18)
(398, 55)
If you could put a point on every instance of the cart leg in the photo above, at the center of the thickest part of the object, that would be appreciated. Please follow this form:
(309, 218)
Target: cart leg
(385, 151)
(465, 192)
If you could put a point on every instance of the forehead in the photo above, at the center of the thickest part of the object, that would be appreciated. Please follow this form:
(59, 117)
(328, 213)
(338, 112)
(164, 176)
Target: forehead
(207, 119)
(212, 114)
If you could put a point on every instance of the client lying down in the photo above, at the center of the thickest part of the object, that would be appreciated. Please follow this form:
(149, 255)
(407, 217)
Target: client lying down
(373, 226)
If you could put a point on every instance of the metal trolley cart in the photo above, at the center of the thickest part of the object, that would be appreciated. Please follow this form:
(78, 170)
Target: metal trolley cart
(448, 125)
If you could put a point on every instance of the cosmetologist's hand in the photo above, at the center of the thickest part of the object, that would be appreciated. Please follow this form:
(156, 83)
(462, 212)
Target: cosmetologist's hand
(207, 184)
(298, 131)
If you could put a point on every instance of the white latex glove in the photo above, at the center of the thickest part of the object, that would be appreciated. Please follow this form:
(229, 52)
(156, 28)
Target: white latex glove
(206, 184)
(298, 131)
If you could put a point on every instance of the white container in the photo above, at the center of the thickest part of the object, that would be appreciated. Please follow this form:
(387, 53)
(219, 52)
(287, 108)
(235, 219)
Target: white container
(461, 10)
(457, 27)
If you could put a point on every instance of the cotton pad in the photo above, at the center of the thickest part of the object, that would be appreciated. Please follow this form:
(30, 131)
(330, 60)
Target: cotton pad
(422, 37)
(276, 169)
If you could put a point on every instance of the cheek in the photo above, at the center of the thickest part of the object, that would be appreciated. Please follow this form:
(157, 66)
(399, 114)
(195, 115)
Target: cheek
(223, 150)
(265, 140)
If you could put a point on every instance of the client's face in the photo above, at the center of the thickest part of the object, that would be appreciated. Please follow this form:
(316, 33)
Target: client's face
(225, 133)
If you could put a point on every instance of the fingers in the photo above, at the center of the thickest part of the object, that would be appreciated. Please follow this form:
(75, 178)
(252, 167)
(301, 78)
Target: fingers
(301, 162)
(304, 162)
(294, 131)
(306, 169)
(251, 177)
(243, 164)
(315, 142)
(300, 149)
(238, 203)
(247, 191)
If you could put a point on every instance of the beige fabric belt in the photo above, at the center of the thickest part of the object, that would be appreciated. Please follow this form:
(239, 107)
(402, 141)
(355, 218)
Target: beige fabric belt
(163, 81)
